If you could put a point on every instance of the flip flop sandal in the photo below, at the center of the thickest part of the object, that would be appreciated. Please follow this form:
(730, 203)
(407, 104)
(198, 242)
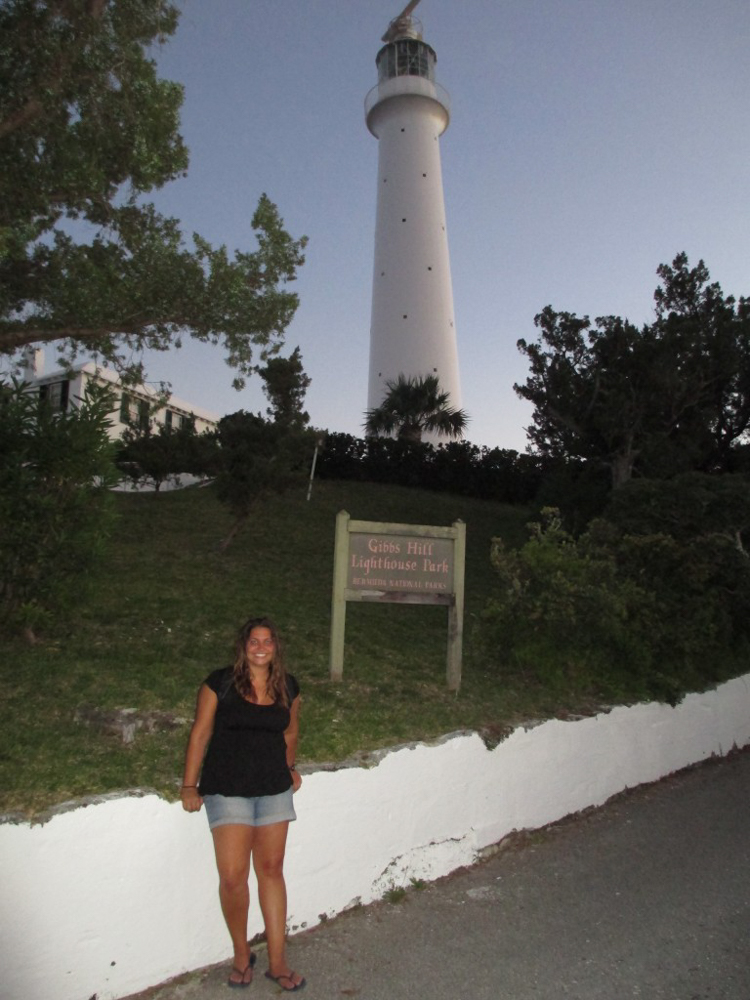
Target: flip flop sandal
(286, 989)
(242, 985)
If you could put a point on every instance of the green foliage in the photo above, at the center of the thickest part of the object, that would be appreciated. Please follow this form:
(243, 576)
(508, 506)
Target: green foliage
(413, 407)
(561, 616)
(341, 457)
(453, 467)
(579, 490)
(285, 387)
(87, 129)
(684, 507)
(652, 601)
(683, 539)
(397, 460)
(671, 397)
(693, 621)
(55, 507)
(395, 894)
(158, 454)
(258, 459)
(72, 77)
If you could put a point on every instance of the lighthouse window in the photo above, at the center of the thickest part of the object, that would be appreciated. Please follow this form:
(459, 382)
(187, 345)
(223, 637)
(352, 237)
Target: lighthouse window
(406, 57)
(411, 58)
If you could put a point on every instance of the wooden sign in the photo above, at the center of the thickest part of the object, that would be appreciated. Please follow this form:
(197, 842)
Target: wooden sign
(399, 564)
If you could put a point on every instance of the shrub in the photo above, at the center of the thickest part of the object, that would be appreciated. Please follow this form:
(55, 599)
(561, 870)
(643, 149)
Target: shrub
(452, 467)
(55, 506)
(580, 490)
(561, 616)
(341, 457)
(158, 455)
(653, 602)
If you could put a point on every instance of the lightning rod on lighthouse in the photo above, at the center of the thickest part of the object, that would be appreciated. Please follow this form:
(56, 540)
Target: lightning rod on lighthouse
(412, 329)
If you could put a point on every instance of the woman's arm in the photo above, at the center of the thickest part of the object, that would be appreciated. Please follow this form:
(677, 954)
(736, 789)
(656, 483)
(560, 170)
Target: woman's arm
(291, 734)
(200, 734)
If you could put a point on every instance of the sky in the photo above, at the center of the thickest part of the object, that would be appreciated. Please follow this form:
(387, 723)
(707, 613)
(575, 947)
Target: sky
(589, 141)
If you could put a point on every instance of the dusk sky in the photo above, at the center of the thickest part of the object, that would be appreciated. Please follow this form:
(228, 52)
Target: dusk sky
(590, 141)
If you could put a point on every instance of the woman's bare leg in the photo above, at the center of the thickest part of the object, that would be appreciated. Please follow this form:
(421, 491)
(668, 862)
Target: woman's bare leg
(233, 844)
(268, 861)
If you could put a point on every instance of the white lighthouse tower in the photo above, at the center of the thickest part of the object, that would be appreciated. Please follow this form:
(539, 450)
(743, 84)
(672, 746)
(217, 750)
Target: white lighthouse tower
(412, 330)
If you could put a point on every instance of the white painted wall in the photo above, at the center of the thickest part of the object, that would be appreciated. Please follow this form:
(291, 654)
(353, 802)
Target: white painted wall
(111, 897)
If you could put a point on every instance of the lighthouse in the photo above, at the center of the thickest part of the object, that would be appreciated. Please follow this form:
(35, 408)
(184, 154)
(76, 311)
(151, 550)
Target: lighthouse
(412, 330)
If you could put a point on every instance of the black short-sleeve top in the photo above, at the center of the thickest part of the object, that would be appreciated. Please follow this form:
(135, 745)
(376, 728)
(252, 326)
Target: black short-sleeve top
(246, 755)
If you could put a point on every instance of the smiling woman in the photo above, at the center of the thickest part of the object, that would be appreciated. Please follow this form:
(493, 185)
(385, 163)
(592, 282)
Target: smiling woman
(246, 726)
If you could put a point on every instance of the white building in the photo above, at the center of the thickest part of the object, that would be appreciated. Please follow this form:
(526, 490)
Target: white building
(135, 406)
(412, 328)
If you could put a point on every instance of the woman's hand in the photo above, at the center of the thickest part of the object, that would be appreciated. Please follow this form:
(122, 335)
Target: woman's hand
(296, 780)
(191, 800)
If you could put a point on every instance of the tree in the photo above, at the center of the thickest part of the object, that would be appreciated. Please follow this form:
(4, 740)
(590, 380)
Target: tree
(285, 387)
(86, 129)
(711, 336)
(258, 459)
(669, 397)
(55, 505)
(414, 406)
(158, 454)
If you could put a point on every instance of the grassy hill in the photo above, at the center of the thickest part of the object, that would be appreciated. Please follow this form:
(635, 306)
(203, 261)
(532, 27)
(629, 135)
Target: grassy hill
(161, 613)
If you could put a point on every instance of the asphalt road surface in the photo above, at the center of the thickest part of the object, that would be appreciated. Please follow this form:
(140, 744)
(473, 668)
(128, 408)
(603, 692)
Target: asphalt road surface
(647, 897)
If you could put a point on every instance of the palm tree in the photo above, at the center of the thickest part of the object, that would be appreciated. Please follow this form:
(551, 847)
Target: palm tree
(413, 406)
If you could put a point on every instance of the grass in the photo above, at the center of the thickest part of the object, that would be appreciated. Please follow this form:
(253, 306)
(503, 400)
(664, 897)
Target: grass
(161, 613)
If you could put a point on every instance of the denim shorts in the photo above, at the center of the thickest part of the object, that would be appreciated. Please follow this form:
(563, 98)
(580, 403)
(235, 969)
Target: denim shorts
(259, 811)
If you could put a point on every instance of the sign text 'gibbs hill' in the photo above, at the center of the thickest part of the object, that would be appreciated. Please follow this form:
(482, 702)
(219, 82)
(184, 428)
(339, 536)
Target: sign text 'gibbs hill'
(399, 564)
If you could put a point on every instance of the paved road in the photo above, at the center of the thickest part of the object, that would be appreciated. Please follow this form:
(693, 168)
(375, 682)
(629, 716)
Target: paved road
(648, 897)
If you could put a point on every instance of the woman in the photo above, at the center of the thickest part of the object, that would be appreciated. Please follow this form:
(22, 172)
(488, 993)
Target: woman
(246, 725)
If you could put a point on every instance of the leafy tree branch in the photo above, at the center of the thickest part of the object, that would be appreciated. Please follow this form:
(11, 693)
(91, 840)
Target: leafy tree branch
(671, 396)
(86, 129)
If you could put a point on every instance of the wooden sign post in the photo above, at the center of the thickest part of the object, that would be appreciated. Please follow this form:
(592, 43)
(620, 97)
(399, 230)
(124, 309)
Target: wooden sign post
(399, 564)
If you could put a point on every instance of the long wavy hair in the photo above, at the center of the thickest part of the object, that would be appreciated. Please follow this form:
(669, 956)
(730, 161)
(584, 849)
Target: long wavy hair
(243, 680)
